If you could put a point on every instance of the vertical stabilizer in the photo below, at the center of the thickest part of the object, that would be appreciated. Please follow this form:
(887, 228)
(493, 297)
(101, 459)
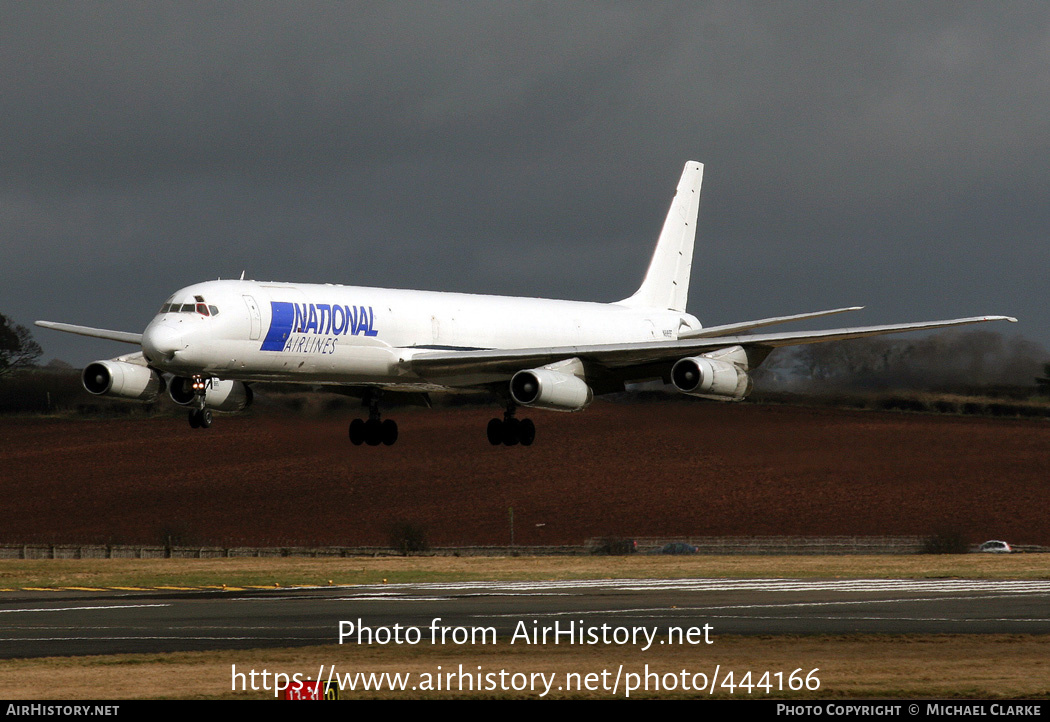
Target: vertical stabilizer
(666, 284)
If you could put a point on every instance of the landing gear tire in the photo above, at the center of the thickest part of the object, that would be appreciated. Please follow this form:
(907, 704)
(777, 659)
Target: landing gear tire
(495, 432)
(526, 432)
(200, 418)
(511, 431)
(373, 432)
(357, 432)
(388, 432)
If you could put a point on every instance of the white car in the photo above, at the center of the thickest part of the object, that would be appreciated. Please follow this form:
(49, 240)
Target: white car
(995, 547)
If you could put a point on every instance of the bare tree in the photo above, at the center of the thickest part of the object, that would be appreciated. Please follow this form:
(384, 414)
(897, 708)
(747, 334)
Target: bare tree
(17, 347)
(1042, 383)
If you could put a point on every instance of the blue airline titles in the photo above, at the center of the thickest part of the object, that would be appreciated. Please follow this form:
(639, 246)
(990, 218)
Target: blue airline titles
(320, 319)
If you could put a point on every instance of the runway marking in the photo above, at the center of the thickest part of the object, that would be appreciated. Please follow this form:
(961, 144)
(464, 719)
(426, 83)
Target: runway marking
(743, 585)
(156, 638)
(884, 619)
(196, 627)
(567, 587)
(208, 588)
(366, 598)
(845, 602)
(691, 609)
(79, 609)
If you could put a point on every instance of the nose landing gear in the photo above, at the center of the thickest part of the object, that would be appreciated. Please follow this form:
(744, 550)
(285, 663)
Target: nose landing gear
(200, 416)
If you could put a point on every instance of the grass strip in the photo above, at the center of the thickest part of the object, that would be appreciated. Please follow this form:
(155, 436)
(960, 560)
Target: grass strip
(849, 666)
(291, 571)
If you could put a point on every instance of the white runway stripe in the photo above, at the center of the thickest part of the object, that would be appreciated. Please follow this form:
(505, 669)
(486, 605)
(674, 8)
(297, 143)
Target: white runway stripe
(81, 609)
(927, 586)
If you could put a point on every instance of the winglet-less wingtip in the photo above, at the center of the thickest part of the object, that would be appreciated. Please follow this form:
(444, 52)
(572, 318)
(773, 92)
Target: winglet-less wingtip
(121, 336)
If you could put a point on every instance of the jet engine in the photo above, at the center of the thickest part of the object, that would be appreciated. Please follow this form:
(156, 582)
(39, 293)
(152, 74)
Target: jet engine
(546, 389)
(218, 395)
(710, 378)
(123, 380)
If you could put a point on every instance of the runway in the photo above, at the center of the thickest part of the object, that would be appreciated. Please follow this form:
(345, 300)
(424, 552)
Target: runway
(34, 624)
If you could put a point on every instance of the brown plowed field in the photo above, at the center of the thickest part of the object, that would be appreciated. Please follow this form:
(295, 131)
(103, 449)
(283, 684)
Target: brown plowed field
(671, 469)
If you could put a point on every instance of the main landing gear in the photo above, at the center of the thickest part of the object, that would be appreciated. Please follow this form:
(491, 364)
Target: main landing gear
(374, 431)
(200, 416)
(510, 431)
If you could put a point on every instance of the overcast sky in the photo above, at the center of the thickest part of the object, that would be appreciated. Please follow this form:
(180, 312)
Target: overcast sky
(892, 155)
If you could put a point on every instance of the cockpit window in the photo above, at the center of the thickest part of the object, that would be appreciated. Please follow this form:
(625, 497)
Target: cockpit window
(200, 307)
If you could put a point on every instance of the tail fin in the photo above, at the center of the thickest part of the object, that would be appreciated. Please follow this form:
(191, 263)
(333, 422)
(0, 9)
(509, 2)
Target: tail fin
(666, 283)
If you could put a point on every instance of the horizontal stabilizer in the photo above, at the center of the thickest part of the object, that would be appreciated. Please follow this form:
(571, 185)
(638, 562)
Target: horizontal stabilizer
(122, 336)
(729, 328)
(799, 338)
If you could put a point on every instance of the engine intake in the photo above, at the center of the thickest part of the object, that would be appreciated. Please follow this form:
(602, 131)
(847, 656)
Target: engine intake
(122, 380)
(546, 389)
(218, 395)
(710, 378)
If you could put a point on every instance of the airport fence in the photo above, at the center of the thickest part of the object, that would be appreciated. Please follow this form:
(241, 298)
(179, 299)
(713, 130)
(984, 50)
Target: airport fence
(771, 545)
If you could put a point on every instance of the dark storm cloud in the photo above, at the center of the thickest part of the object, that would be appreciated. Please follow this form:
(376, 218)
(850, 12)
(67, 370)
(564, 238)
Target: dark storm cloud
(887, 154)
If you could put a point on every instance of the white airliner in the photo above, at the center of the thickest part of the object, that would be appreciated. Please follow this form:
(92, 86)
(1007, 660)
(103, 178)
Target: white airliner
(210, 341)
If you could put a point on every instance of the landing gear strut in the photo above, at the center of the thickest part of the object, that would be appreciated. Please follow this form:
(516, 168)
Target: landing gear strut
(200, 416)
(510, 430)
(374, 431)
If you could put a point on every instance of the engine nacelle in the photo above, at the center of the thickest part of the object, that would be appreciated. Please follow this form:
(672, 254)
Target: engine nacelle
(218, 395)
(123, 380)
(710, 378)
(180, 389)
(546, 389)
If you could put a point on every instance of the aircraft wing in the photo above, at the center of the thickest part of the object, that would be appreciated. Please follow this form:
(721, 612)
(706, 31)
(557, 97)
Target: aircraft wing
(490, 365)
(122, 336)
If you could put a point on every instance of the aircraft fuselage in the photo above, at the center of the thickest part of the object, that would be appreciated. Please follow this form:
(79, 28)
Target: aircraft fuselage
(352, 334)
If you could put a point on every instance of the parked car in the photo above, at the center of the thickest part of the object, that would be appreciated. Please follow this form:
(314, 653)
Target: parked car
(678, 548)
(995, 547)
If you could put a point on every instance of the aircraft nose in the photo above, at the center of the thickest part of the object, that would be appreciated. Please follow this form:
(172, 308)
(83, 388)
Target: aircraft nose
(161, 343)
